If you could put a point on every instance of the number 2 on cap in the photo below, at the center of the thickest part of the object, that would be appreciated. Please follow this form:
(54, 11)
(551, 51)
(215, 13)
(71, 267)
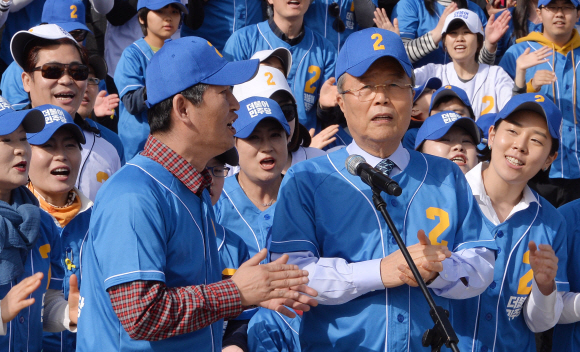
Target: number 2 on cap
(73, 13)
(379, 39)
(270, 78)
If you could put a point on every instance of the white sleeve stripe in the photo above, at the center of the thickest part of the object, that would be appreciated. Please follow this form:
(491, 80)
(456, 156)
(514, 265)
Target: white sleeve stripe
(129, 86)
(133, 272)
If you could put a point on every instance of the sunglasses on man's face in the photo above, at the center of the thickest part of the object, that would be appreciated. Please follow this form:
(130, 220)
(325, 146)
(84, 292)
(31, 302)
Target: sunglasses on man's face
(78, 72)
(79, 35)
(334, 11)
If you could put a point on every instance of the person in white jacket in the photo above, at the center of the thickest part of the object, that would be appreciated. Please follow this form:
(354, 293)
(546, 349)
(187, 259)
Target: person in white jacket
(488, 87)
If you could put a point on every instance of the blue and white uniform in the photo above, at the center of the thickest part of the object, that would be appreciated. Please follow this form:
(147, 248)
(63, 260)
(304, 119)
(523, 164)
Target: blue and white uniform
(488, 91)
(415, 21)
(270, 331)
(494, 321)
(567, 164)
(313, 62)
(102, 156)
(319, 20)
(227, 15)
(315, 215)
(72, 237)
(130, 76)
(232, 250)
(24, 332)
(567, 332)
(509, 38)
(27, 17)
(236, 212)
(163, 232)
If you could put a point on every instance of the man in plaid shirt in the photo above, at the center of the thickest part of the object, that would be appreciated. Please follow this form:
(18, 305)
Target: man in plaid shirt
(150, 270)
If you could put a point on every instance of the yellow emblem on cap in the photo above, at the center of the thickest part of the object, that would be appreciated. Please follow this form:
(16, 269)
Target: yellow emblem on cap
(215, 49)
(447, 87)
(539, 98)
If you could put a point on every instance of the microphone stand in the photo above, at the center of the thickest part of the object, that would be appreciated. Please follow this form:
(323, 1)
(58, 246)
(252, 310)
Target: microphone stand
(442, 333)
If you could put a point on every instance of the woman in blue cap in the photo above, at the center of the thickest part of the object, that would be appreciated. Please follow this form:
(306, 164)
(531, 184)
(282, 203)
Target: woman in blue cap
(31, 271)
(530, 267)
(54, 166)
(246, 206)
(450, 136)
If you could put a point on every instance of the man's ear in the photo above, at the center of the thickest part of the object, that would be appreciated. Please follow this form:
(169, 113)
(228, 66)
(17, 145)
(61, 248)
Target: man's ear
(27, 81)
(180, 109)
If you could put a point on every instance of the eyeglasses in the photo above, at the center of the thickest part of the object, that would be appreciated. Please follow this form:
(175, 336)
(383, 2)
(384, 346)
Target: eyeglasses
(79, 34)
(55, 70)
(218, 171)
(93, 81)
(334, 11)
(555, 9)
(290, 111)
(368, 92)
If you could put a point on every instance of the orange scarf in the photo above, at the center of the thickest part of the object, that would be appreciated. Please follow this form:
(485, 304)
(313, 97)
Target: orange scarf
(62, 214)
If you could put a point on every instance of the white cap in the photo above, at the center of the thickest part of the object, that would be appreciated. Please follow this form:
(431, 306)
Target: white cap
(281, 53)
(44, 31)
(265, 83)
(468, 17)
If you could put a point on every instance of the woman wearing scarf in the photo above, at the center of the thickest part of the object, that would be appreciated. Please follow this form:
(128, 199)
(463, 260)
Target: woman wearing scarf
(31, 270)
(54, 166)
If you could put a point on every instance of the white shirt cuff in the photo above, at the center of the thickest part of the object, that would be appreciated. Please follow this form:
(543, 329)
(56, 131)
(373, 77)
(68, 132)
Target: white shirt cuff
(367, 275)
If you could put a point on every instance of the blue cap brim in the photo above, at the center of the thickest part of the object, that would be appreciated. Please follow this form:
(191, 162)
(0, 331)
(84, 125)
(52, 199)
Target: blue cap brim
(465, 122)
(44, 135)
(248, 129)
(73, 26)
(32, 121)
(433, 83)
(161, 4)
(362, 67)
(233, 73)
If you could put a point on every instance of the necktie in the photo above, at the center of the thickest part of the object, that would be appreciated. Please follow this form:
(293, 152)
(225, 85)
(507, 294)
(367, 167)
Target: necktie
(386, 166)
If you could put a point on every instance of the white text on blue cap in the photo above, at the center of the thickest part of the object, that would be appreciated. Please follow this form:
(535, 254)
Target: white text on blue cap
(450, 117)
(53, 115)
(258, 107)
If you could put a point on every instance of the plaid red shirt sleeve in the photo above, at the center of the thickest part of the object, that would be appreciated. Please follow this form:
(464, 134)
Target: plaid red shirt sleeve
(149, 310)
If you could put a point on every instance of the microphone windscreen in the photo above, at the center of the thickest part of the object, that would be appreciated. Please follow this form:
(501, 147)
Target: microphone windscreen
(352, 163)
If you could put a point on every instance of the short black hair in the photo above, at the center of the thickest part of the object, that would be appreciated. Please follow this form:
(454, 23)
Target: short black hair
(159, 115)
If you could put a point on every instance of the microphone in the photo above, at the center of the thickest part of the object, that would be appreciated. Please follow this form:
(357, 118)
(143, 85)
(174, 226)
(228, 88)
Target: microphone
(357, 166)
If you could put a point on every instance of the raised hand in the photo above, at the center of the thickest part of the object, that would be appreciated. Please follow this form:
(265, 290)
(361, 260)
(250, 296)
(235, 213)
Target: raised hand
(276, 280)
(105, 104)
(542, 77)
(382, 21)
(17, 298)
(436, 32)
(496, 27)
(530, 59)
(324, 137)
(544, 263)
(328, 94)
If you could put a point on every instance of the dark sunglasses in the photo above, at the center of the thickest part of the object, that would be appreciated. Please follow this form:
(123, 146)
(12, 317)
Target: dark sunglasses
(290, 111)
(78, 72)
(79, 34)
(334, 11)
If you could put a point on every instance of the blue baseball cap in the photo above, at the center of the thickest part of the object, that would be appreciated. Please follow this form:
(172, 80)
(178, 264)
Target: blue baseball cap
(361, 49)
(537, 103)
(187, 61)
(55, 118)
(485, 122)
(433, 83)
(68, 14)
(453, 91)
(436, 126)
(546, 2)
(10, 119)
(253, 110)
(159, 4)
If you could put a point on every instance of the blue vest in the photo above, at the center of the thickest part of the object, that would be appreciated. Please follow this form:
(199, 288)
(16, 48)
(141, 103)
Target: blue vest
(162, 232)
